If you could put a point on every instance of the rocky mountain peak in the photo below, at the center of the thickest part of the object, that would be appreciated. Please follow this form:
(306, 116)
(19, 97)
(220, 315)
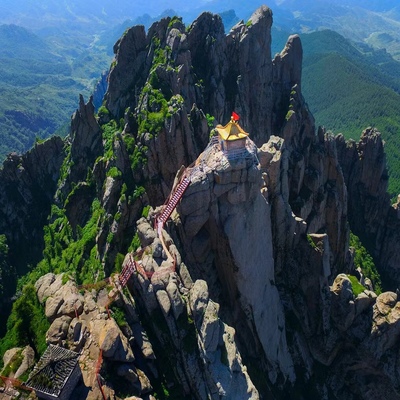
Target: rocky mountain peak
(372, 216)
(210, 69)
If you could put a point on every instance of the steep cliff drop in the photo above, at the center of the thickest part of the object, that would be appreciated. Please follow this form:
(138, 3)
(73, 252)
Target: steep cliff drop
(226, 186)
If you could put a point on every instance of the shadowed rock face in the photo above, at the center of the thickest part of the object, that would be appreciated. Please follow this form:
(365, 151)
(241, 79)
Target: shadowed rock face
(226, 214)
(372, 217)
(28, 184)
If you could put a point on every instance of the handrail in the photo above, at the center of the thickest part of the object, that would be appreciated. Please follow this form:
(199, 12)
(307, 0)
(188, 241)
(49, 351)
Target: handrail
(98, 367)
(190, 173)
(14, 382)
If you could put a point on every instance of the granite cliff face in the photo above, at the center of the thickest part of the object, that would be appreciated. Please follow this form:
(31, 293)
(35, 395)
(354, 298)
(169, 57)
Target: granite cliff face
(372, 216)
(28, 184)
(254, 300)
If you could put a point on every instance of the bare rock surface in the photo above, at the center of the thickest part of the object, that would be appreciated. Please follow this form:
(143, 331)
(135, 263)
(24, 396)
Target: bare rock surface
(372, 216)
(112, 341)
(28, 183)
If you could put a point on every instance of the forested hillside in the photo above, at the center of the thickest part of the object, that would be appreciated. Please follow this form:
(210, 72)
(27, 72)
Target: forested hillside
(349, 87)
(40, 83)
(375, 23)
(348, 90)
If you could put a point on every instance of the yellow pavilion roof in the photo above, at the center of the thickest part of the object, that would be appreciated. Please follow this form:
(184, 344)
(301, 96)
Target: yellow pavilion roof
(231, 131)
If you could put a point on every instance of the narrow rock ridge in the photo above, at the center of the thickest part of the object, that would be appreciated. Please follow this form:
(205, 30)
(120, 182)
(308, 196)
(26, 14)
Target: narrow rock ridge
(371, 215)
(211, 70)
(225, 213)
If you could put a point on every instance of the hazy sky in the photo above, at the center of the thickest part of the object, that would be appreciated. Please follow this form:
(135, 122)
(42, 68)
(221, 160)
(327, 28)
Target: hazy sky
(39, 14)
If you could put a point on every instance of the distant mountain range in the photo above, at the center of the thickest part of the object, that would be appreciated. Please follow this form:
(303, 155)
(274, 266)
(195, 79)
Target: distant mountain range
(348, 89)
(63, 48)
(374, 22)
(40, 85)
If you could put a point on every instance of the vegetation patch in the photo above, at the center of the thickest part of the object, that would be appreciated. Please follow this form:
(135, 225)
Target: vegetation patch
(64, 252)
(356, 285)
(311, 242)
(174, 20)
(156, 94)
(66, 165)
(138, 158)
(14, 364)
(152, 116)
(103, 111)
(343, 87)
(114, 173)
(119, 316)
(364, 261)
(109, 131)
(119, 259)
(145, 211)
(317, 246)
(210, 121)
(27, 324)
(7, 272)
(135, 244)
(289, 114)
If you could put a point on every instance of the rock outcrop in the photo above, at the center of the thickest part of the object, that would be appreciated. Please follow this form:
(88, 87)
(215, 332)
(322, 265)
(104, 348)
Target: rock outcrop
(82, 322)
(18, 360)
(28, 183)
(371, 216)
(205, 355)
(209, 69)
(86, 146)
(225, 213)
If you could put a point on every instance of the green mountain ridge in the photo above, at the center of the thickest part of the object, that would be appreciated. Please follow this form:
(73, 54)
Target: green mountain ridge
(373, 23)
(348, 90)
(350, 86)
(40, 84)
(17, 42)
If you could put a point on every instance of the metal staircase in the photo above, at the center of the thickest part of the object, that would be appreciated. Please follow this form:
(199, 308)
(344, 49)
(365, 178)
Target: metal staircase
(172, 203)
(126, 273)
